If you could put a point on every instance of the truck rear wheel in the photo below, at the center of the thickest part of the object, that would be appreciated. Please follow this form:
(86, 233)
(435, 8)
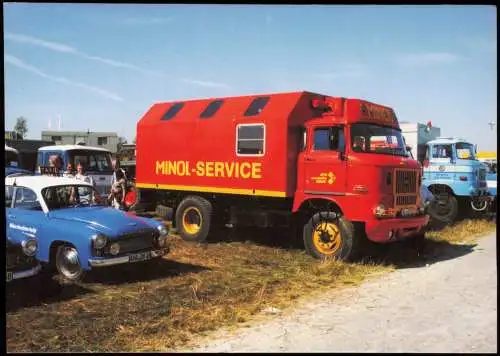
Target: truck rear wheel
(328, 236)
(193, 218)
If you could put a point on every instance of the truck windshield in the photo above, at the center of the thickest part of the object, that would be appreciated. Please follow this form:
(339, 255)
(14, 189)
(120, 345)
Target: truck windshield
(465, 150)
(11, 159)
(92, 161)
(369, 138)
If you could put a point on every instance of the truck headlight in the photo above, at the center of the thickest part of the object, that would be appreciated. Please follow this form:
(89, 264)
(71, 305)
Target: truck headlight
(163, 230)
(99, 240)
(29, 247)
(380, 210)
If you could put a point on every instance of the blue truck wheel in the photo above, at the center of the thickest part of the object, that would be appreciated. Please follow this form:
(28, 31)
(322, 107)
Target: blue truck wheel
(444, 209)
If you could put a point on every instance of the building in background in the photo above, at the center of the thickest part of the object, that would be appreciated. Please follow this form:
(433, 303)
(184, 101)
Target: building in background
(108, 140)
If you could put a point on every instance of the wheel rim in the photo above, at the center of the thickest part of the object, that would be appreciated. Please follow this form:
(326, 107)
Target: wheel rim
(68, 262)
(479, 206)
(192, 220)
(327, 238)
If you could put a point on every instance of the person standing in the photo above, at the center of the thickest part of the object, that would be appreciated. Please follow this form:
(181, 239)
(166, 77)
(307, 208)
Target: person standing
(80, 174)
(118, 190)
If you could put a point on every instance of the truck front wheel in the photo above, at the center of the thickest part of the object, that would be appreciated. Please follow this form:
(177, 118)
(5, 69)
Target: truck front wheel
(444, 209)
(193, 218)
(328, 236)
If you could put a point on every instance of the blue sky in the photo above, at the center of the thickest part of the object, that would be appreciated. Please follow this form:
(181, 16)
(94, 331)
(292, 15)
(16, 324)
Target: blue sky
(102, 66)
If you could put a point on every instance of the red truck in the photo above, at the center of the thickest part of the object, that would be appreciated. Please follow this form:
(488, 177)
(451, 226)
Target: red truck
(288, 159)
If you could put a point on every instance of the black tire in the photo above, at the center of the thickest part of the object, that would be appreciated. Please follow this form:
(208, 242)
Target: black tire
(444, 209)
(199, 211)
(343, 241)
(67, 261)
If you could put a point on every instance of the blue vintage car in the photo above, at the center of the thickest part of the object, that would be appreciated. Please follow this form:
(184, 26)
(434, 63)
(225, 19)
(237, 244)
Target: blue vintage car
(76, 232)
(20, 251)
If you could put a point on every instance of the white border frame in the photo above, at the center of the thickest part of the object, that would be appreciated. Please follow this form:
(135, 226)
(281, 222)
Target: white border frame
(264, 141)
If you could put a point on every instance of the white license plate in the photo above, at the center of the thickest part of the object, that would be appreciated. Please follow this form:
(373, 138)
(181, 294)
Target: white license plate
(10, 276)
(143, 256)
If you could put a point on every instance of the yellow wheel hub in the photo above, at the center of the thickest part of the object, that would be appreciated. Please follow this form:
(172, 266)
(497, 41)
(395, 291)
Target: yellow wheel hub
(327, 238)
(191, 220)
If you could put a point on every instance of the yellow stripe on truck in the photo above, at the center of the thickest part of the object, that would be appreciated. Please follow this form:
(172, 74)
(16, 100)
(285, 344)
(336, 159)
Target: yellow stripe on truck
(264, 193)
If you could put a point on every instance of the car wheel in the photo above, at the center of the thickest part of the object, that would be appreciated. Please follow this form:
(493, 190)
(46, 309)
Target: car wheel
(193, 218)
(68, 263)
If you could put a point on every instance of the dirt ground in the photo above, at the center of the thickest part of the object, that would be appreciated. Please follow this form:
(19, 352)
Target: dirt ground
(440, 306)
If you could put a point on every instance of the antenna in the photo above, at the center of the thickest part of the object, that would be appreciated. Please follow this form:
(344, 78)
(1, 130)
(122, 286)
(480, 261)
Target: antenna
(50, 124)
(59, 121)
(492, 125)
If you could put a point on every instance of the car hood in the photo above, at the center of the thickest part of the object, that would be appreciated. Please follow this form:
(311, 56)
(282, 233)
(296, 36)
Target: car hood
(109, 221)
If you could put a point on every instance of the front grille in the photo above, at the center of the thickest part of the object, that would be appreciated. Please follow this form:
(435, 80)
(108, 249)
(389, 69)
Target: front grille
(405, 187)
(136, 241)
(406, 181)
(19, 261)
(482, 174)
(406, 200)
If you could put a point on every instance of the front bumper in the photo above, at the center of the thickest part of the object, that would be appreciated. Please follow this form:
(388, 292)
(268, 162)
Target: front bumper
(388, 230)
(23, 274)
(105, 262)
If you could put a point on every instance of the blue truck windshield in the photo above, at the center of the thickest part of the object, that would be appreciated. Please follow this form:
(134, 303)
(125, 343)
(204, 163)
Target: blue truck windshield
(369, 138)
(465, 150)
(92, 161)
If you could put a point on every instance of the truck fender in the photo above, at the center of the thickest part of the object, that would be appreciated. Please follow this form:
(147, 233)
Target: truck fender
(324, 202)
(436, 187)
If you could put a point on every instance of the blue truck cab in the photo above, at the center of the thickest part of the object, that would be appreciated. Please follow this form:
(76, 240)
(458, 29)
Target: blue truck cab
(452, 173)
(12, 162)
(96, 162)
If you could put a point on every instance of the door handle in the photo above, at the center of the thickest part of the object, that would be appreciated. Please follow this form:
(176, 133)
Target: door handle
(310, 159)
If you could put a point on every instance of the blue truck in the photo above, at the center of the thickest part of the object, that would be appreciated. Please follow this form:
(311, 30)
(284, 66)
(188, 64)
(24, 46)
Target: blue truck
(450, 171)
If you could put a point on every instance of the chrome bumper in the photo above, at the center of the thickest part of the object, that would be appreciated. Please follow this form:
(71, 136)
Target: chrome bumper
(124, 259)
(23, 274)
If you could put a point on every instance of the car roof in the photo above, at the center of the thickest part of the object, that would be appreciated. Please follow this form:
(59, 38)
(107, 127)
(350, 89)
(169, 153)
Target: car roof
(72, 147)
(7, 148)
(40, 182)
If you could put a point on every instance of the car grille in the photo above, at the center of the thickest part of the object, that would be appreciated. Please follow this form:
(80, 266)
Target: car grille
(136, 241)
(405, 187)
(16, 260)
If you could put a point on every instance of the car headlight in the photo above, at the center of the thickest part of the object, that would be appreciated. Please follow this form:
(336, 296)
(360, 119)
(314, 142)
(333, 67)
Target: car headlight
(163, 230)
(114, 249)
(29, 247)
(99, 240)
(162, 241)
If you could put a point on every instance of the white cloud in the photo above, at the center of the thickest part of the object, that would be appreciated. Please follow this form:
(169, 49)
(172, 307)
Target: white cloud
(423, 59)
(63, 48)
(206, 84)
(20, 64)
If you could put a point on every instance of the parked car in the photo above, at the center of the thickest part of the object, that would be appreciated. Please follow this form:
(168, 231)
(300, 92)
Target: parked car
(76, 231)
(21, 248)
(12, 163)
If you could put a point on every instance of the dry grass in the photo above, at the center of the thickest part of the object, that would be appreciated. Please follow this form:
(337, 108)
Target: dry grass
(463, 231)
(169, 303)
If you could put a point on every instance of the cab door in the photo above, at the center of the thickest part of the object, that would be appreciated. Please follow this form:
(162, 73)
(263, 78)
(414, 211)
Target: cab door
(324, 161)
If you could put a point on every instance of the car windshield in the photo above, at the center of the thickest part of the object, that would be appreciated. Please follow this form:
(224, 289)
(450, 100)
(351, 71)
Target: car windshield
(465, 150)
(369, 138)
(11, 159)
(71, 196)
(92, 161)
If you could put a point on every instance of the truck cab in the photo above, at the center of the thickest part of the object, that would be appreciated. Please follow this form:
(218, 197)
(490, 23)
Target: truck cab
(450, 171)
(96, 162)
